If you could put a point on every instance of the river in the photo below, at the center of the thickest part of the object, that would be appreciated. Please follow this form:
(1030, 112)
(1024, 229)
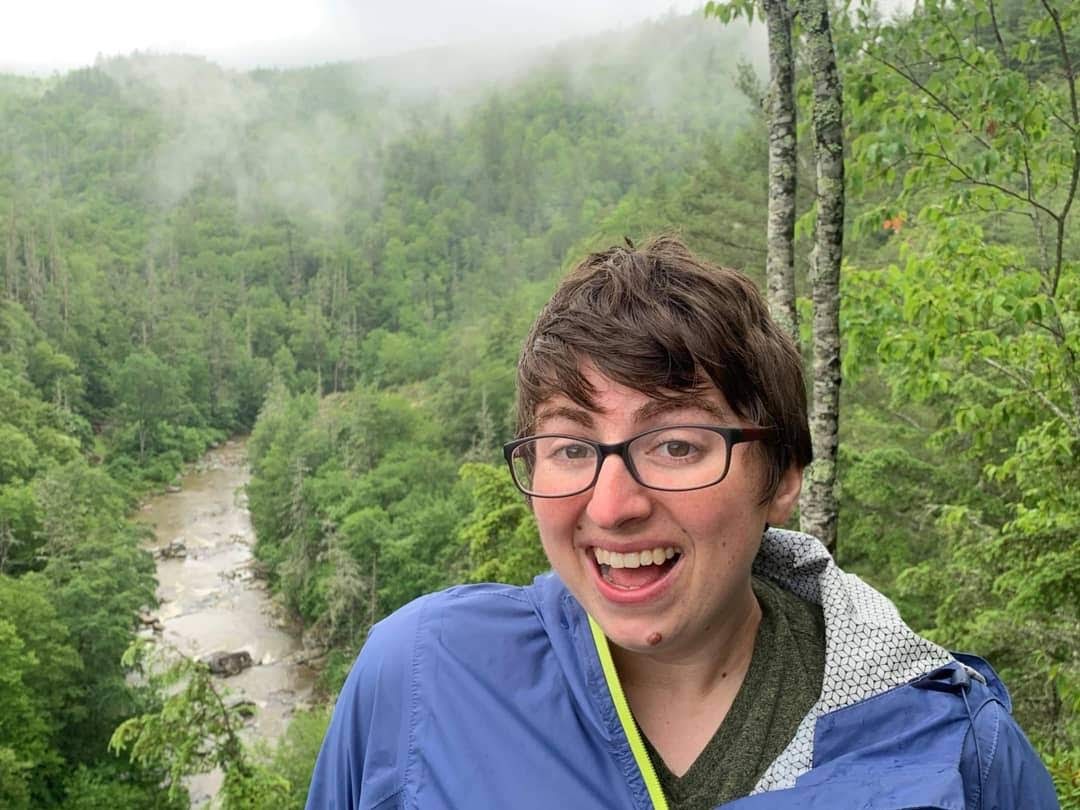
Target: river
(210, 600)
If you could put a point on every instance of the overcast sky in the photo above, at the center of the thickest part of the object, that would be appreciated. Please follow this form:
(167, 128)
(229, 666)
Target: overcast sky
(42, 36)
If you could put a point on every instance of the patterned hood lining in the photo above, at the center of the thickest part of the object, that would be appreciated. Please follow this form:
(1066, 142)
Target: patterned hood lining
(868, 648)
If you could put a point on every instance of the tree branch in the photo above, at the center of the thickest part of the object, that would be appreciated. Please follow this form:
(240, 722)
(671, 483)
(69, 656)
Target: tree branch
(1044, 257)
(932, 95)
(1074, 108)
(1025, 382)
(1065, 123)
(985, 183)
(1055, 333)
(959, 47)
(997, 36)
(736, 245)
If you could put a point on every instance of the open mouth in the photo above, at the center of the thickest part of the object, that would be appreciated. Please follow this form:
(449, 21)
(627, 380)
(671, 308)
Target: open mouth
(635, 570)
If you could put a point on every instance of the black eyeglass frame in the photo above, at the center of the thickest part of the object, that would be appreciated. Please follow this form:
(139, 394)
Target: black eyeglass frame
(732, 436)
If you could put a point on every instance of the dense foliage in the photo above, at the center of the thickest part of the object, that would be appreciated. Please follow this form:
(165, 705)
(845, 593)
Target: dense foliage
(344, 262)
(966, 118)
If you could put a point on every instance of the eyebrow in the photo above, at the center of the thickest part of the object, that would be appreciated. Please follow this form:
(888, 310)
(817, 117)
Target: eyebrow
(575, 415)
(649, 410)
(658, 407)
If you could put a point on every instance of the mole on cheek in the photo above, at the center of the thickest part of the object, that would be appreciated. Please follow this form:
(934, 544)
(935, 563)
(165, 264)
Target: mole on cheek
(578, 527)
(654, 639)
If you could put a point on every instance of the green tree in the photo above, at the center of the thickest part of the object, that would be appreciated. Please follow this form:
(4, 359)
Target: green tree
(54, 670)
(499, 534)
(197, 729)
(979, 321)
(294, 755)
(108, 785)
(149, 393)
(24, 745)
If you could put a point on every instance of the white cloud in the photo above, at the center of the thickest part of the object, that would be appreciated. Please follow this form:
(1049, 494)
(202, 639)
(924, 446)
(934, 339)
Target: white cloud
(60, 34)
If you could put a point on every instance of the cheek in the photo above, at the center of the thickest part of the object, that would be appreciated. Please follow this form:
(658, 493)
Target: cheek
(728, 525)
(556, 521)
(751, 463)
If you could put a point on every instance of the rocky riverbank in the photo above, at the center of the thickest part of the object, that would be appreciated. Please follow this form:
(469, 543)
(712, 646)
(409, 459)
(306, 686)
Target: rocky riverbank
(214, 607)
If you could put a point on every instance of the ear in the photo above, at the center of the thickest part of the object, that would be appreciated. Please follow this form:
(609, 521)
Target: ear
(786, 497)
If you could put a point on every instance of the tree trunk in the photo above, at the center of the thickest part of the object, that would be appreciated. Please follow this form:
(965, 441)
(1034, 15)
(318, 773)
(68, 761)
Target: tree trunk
(35, 283)
(150, 308)
(11, 268)
(247, 311)
(818, 505)
(780, 114)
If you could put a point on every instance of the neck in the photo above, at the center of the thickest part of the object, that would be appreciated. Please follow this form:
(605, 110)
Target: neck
(699, 669)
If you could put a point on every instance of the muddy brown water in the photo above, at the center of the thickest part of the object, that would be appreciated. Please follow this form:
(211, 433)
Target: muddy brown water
(211, 601)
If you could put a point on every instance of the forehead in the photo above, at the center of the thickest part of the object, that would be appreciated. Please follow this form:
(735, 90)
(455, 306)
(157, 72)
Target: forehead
(611, 401)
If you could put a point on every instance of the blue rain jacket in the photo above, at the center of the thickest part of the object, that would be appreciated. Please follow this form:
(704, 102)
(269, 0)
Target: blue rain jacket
(494, 696)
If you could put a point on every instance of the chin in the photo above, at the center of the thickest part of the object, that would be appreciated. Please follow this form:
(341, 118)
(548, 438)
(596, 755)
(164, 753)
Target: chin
(643, 635)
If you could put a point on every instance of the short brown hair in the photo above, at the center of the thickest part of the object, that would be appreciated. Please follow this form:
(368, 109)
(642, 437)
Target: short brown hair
(663, 322)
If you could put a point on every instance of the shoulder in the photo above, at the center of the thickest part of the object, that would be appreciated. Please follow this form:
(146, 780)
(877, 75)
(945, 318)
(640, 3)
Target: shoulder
(465, 615)
(946, 739)
(1000, 767)
(368, 744)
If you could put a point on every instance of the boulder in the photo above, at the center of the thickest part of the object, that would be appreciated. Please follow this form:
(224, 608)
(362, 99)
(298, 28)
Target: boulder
(151, 621)
(228, 663)
(175, 550)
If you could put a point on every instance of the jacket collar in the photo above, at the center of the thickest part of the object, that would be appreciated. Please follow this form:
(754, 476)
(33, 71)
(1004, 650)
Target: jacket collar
(868, 648)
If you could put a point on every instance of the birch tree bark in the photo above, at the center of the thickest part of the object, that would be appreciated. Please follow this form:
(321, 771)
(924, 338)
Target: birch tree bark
(780, 114)
(818, 504)
(818, 508)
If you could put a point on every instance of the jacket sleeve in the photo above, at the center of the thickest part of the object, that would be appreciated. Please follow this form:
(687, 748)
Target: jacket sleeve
(364, 754)
(1012, 775)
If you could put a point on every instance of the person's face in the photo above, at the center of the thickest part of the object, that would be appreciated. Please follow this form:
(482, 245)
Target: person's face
(714, 532)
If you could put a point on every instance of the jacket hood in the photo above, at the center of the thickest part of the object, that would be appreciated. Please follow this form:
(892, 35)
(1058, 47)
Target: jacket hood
(868, 648)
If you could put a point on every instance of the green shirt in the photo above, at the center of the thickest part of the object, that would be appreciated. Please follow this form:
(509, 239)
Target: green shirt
(781, 684)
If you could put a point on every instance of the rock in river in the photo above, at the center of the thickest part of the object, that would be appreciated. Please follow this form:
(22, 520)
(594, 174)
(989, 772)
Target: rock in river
(228, 663)
(177, 549)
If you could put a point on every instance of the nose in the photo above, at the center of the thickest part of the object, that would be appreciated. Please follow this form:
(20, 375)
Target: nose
(616, 498)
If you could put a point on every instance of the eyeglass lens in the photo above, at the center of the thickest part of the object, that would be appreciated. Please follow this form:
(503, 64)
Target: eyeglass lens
(669, 458)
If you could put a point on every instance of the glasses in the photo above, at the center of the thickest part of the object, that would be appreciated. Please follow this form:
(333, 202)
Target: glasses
(672, 459)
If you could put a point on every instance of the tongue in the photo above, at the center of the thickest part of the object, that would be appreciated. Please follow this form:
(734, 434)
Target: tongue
(635, 577)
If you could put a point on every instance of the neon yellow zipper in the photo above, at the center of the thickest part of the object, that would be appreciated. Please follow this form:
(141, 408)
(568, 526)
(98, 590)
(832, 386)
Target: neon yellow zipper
(637, 747)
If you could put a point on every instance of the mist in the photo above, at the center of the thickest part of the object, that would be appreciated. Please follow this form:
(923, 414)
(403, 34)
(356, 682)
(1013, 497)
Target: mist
(245, 34)
(310, 142)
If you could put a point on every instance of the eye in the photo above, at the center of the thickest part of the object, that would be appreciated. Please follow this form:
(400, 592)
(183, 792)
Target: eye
(680, 445)
(675, 448)
(575, 451)
(570, 450)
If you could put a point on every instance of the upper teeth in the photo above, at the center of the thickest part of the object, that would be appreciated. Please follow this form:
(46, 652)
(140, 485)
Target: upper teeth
(633, 559)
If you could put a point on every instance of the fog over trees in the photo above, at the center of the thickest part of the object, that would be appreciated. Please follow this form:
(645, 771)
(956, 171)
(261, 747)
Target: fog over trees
(342, 261)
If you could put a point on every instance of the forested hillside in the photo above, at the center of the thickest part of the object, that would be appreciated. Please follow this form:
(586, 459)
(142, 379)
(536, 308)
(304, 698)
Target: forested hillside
(343, 262)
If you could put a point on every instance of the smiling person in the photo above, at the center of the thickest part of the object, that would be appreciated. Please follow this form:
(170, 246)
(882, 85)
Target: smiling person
(681, 653)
